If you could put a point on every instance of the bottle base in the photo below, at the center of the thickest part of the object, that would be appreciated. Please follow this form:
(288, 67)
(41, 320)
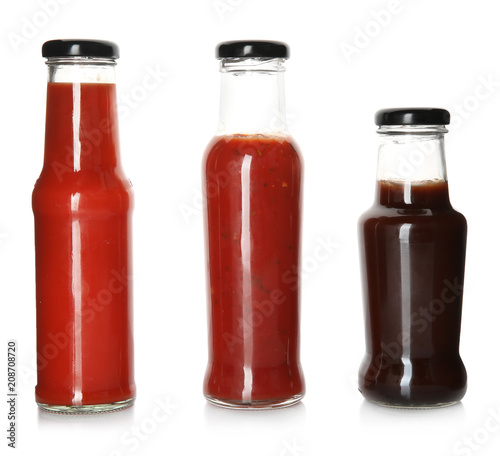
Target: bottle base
(268, 404)
(86, 409)
(414, 406)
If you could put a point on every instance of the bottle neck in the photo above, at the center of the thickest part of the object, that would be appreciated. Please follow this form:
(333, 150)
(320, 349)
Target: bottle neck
(411, 166)
(81, 131)
(252, 99)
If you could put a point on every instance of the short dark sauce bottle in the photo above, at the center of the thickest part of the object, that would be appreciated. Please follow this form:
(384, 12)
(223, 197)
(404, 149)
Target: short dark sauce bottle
(412, 246)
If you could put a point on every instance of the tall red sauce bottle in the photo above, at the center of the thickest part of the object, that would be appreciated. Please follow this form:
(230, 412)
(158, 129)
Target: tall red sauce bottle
(412, 245)
(82, 204)
(252, 177)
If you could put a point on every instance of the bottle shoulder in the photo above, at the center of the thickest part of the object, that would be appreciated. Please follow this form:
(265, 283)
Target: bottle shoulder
(265, 150)
(379, 215)
(92, 179)
(87, 191)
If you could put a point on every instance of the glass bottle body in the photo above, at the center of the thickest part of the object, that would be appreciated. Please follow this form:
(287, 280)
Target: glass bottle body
(82, 204)
(412, 245)
(252, 173)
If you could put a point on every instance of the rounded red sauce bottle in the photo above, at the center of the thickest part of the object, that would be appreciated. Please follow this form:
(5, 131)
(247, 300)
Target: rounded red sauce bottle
(82, 204)
(252, 178)
(412, 245)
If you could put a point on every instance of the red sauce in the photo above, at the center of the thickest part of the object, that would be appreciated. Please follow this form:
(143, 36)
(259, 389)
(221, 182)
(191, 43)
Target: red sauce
(413, 257)
(82, 204)
(253, 216)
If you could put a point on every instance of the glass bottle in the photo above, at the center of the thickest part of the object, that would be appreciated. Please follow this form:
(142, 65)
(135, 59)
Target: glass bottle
(82, 204)
(412, 245)
(252, 176)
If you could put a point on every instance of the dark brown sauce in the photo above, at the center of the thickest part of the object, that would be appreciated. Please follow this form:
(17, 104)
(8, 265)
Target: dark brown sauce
(412, 245)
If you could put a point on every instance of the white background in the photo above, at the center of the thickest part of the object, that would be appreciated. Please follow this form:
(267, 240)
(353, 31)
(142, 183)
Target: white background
(426, 53)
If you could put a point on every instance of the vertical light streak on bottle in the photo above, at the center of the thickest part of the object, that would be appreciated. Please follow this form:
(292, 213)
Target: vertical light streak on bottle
(404, 242)
(247, 283)
(77, 147)
(76, 287)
